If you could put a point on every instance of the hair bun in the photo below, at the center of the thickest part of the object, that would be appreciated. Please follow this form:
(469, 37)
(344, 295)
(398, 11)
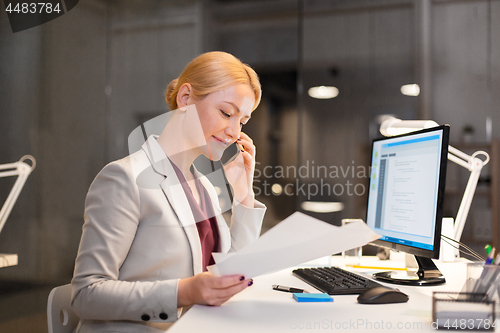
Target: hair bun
(170, 97)
(210, 72)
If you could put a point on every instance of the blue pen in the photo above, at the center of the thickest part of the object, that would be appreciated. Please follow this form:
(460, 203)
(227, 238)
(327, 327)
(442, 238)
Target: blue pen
(490, 259)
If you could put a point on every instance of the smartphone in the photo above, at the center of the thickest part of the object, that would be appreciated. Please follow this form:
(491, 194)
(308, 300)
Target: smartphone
(230, 153)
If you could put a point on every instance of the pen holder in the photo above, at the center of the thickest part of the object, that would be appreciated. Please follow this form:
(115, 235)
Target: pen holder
(462, 311)
(483, 279)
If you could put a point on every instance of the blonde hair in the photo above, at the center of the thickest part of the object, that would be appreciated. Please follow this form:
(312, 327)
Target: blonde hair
(211, 72)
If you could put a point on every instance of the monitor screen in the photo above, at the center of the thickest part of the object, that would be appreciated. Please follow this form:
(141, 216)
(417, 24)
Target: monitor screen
(405, 198)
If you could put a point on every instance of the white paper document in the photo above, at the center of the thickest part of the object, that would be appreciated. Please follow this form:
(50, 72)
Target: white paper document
(295, 240)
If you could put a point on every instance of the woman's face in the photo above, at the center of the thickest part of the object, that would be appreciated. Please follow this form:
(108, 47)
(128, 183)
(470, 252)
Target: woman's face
(222, 115)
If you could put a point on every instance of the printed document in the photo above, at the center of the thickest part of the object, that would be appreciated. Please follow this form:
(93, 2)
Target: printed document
(295, 240)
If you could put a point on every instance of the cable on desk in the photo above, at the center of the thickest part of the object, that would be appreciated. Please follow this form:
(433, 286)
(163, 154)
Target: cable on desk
(470, 252)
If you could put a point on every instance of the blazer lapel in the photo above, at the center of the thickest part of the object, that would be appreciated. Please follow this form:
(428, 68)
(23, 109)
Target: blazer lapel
(176, 197)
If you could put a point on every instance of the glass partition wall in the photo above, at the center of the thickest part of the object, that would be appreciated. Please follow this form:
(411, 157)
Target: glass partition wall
(401, 58)
(363, 52)
(75, 87)
(408, 59)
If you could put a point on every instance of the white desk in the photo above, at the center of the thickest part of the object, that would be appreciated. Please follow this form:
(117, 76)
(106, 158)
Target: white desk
(7, 260)
(261, 309)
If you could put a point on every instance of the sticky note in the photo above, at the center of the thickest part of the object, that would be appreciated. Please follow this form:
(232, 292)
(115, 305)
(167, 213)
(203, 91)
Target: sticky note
(306, 297)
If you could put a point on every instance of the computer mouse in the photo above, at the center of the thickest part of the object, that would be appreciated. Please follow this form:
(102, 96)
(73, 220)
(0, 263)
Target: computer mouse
(382, 295)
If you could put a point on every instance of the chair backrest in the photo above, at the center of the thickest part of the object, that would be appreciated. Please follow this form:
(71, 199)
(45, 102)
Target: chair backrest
(60, 316)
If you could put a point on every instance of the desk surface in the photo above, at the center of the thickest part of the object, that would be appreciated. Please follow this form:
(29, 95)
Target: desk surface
(261, 309)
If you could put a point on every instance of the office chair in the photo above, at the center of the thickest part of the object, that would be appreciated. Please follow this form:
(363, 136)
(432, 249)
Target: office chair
(60, 316)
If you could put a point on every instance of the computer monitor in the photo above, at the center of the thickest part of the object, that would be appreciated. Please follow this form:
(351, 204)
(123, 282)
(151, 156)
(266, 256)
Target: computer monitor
(405, 199)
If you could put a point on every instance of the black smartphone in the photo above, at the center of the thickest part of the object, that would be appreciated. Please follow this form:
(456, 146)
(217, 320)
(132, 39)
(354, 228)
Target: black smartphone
(230, 153)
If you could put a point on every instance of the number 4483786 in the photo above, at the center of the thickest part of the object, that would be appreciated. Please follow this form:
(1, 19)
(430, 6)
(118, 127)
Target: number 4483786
(40, 7)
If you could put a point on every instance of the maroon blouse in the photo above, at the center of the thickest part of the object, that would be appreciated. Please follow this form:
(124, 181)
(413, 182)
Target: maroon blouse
(207, 226)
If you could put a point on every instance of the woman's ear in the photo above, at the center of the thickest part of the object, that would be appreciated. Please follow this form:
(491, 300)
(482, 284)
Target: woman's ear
(183, 95)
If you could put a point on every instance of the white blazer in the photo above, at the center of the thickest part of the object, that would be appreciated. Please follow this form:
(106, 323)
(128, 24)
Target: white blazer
(139, 238)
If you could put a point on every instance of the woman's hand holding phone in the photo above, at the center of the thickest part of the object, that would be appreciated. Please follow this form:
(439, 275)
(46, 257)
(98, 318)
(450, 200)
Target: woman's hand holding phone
(240, 171)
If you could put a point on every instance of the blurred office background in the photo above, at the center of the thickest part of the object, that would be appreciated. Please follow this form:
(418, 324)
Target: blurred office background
(73, 89)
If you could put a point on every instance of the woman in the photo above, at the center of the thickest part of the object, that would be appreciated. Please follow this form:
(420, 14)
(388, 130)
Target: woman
(152, 220)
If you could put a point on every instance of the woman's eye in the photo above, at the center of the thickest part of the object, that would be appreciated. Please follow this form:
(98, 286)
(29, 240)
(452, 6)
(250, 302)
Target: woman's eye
(225, 114)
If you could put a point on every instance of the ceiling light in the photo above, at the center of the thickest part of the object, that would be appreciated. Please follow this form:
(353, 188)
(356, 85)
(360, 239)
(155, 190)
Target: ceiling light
(322, 207)
(323, 92)
(393, 126)
(410, 89)
(277, 189)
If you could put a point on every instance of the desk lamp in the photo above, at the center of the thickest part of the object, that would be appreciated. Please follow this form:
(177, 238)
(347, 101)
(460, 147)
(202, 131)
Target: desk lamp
(393, 126)
(22, 170)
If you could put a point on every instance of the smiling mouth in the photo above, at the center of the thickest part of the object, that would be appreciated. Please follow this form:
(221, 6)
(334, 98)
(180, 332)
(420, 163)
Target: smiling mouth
(225, 144)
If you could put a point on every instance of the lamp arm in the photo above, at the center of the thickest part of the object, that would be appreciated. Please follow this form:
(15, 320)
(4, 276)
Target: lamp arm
(11, 199)
(463, 210)
(8, 166)
(22, 170)
(474, 165)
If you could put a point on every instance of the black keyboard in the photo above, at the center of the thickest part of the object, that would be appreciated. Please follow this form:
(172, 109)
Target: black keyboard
(334, 280)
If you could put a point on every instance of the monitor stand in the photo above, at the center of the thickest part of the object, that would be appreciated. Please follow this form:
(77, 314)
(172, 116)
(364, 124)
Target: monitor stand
(427, 274)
